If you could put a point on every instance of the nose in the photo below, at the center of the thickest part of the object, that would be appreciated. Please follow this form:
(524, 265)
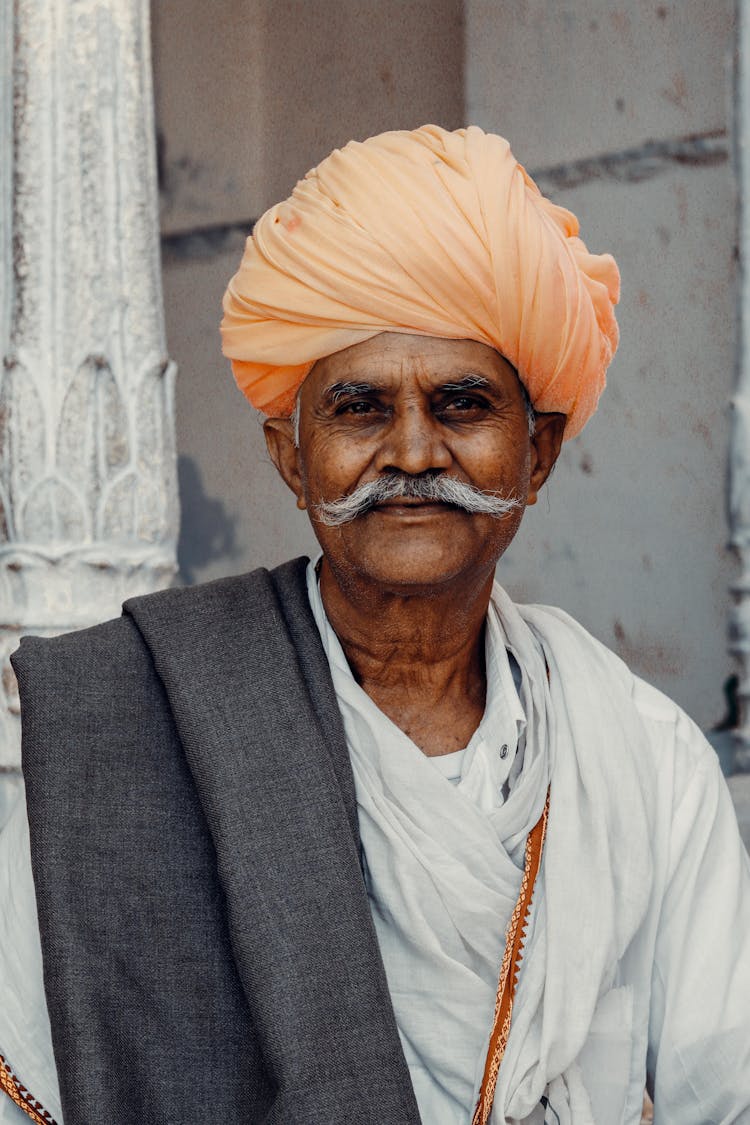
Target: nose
(413, 443)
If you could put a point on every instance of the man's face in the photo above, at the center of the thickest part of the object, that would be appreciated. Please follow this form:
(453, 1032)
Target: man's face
(418, 406)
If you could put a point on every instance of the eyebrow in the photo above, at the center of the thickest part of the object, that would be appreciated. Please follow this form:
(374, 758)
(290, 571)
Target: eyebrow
(337, 391)
(468, 383)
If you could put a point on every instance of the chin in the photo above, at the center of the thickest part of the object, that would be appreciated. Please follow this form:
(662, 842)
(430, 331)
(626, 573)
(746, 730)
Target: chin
(418, 556)
(408, 568)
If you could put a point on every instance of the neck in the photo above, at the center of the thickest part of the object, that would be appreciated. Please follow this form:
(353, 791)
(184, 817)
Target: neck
(418, 655)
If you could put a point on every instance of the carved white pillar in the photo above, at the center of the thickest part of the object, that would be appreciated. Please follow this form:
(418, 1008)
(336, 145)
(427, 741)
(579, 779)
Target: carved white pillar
(88, 502)
(739, 456)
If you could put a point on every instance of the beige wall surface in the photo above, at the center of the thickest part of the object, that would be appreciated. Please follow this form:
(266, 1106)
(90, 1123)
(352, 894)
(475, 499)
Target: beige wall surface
(623, 110)
(578, 77)
(208, 89)
(252, 93)
(343, 69)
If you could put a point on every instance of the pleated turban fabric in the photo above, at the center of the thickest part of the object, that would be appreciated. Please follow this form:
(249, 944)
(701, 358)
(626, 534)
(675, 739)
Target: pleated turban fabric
(430, 232)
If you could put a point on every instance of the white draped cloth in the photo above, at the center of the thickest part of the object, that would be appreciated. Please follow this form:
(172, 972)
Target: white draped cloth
(443, 867)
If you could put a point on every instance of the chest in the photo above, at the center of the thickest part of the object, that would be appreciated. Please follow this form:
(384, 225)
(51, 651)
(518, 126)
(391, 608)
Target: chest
(437, 724)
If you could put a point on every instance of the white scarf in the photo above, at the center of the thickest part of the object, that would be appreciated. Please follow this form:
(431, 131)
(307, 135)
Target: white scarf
(444, 869)
(597, 869)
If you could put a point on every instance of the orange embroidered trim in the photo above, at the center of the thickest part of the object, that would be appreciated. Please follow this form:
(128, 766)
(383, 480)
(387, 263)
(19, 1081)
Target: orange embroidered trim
(17, 1092)
(514, 939)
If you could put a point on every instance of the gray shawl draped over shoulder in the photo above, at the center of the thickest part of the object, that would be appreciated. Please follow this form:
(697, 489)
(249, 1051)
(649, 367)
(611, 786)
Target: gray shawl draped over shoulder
(209, 953)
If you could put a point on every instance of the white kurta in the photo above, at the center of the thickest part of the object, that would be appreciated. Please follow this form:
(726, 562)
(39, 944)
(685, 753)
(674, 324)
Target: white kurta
(441, 884)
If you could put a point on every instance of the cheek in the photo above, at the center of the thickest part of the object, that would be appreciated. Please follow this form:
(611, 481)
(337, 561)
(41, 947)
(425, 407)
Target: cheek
(508, 472)
(331, 468)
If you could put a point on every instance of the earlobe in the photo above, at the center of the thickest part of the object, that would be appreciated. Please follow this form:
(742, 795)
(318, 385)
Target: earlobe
(279, 435)
(545, 449)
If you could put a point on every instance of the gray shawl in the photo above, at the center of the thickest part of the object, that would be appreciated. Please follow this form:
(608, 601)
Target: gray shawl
(209, 953)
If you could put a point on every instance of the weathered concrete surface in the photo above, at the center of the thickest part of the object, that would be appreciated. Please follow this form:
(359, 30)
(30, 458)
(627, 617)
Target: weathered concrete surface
(572, 79)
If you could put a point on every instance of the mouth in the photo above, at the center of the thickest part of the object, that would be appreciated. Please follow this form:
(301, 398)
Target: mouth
(403, 505)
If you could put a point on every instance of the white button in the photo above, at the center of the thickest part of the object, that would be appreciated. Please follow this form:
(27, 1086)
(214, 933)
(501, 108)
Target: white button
(504, 750)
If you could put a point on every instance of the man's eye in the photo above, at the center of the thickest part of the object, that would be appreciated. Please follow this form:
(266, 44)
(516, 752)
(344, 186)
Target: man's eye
(462, 403)
(356, 406)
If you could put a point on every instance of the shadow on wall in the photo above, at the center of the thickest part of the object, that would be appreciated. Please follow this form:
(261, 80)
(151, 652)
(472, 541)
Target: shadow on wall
(207, 532)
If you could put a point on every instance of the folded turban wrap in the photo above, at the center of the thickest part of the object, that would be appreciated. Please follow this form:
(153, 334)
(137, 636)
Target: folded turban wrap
(429, 232)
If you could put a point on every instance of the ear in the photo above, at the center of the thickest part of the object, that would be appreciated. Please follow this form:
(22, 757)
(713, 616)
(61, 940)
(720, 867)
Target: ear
(279, 435)
(545, 448)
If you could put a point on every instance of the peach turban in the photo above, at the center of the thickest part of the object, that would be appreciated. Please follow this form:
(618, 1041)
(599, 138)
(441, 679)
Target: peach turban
(428, 232)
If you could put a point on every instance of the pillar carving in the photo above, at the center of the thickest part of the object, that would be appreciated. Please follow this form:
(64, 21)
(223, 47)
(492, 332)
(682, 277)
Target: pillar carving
(88, 499)
(739, 450)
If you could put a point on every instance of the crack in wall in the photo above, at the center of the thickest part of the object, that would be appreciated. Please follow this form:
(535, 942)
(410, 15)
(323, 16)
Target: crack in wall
(637, 164)
(205, 242)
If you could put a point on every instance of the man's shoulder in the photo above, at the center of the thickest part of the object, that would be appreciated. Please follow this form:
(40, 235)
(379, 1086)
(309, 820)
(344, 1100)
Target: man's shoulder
(93, 648)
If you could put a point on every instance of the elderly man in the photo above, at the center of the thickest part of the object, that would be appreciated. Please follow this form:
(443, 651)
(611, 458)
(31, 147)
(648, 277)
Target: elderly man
(359, 839)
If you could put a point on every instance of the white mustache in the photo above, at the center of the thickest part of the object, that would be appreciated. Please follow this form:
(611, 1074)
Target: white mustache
(433, 488)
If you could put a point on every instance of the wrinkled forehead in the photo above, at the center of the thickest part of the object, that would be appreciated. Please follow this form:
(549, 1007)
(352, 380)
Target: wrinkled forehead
(395, 362)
